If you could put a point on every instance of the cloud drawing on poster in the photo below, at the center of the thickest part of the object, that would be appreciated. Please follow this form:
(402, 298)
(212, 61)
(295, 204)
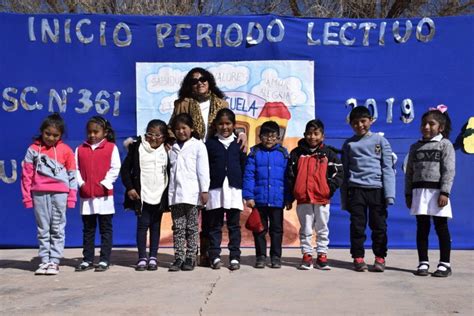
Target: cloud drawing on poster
(166, 80)
(167, 104)
(273, 88)
(230, 77)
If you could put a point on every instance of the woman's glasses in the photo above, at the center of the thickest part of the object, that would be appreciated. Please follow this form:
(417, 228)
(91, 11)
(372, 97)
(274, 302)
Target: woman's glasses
(153, 136)
(196, 80)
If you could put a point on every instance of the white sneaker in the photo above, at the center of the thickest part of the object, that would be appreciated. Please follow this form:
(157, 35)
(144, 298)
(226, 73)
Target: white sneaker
(53, 269)
(102, 266)
(234, 265)
(42, 268)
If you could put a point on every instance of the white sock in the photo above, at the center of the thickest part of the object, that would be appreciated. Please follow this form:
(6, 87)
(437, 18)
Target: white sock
(424, 265)
(442, 266)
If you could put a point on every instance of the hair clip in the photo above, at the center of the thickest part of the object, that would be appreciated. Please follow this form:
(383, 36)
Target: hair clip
(101, 120)
(442, 108)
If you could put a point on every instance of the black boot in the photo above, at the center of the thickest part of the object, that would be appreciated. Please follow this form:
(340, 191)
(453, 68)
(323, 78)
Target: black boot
(188, 265)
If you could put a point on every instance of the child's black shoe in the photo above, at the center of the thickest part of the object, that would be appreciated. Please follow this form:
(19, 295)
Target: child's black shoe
(260, 263)
(84, 266)
(276, 263)
(152, 264)
(234, 265)
(188, 265)
(442, 271)
(176, 265)
(101, 267)
(216, 263)
(141, 265)
(422, 269)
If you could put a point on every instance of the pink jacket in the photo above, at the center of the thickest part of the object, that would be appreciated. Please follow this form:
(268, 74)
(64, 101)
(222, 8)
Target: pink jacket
(49, 169)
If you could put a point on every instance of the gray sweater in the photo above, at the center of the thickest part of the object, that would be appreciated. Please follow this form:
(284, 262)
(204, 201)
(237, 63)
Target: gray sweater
(368, 163)
(430, 165)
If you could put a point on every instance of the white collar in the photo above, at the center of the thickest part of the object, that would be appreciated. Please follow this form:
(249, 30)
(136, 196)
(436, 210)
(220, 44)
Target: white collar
(222, 138)
(437, 138)
(97, 145)
(226, 141)
(146, 145)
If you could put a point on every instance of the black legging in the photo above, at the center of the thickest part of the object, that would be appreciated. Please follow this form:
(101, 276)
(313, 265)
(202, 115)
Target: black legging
(423, 225)
(149, 219)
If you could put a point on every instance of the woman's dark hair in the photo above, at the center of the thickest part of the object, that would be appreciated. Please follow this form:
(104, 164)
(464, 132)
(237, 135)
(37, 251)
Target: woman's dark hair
(106, 126)
(186, 119)
(227, 113)
(54, 120)
(161, 126)
(186, 86)
(442, 118)
(316, 124)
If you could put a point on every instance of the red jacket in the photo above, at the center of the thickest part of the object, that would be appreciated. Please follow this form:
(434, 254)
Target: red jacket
(314, 176)
(94, 165)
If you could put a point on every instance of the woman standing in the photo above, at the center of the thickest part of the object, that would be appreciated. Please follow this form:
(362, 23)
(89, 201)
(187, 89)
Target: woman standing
(200, 97)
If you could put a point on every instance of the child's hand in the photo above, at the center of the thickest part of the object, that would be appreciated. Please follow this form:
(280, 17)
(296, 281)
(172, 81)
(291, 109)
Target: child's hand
(250, 203)
(204, 198)
(442, 200)
(133, 195)
(408, 199)
(289, 206)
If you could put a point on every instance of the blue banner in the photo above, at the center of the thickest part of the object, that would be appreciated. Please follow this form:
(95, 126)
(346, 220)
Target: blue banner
(84, 65)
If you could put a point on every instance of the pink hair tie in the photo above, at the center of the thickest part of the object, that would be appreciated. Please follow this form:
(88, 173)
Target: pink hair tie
(442, 108)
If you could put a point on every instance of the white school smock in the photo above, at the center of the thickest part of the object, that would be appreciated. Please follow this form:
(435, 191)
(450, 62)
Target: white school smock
(425, 202)
(189, 174)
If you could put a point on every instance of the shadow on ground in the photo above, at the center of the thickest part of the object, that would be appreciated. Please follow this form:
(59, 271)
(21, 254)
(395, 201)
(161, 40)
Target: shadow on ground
(128, 258)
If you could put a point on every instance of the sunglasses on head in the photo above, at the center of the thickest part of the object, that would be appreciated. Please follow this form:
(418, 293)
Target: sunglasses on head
(200, 79)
